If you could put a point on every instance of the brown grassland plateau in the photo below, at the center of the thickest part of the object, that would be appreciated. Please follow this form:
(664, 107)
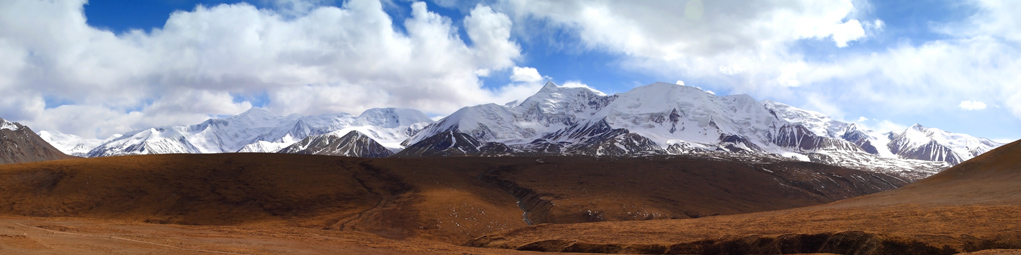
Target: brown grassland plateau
(305, 204)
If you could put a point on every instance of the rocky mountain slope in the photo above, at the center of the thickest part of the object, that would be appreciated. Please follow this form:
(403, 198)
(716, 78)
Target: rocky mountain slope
(258, 130)
(352, 144)
(18, 144)
(663, 118)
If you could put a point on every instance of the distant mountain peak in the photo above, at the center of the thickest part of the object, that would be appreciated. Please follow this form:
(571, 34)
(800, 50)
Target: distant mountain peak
(550, 85)
(13, 126)
(256, 112)
(258, 130)
(670, 118)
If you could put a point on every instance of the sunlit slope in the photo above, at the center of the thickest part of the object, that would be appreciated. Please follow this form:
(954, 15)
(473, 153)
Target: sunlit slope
(972, 206)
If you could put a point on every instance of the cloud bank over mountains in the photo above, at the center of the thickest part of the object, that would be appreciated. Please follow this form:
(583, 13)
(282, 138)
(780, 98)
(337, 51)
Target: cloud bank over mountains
(217, 59)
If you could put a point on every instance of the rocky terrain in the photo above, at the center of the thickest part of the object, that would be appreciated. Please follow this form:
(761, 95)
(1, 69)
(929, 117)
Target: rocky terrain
(18, 144)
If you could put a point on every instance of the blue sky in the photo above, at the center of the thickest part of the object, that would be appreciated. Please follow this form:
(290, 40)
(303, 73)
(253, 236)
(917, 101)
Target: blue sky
(124, 65)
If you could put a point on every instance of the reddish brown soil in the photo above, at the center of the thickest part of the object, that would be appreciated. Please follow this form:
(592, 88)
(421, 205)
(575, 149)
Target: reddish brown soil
(275, 203)
(85, 236)
(973, 206)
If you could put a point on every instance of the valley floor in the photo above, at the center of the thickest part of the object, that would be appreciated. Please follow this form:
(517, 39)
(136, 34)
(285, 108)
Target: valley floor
(83, 236)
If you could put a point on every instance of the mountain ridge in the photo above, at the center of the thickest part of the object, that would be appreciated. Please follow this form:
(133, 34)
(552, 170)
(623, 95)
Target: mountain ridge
(258, 130)
(663, 118)
(659, 118)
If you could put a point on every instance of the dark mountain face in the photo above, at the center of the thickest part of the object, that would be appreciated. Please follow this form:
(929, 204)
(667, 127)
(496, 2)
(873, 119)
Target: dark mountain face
(931, 151)
(352, 144)
(18, 144)
(596, 139)
(444, 144)
(799, 137)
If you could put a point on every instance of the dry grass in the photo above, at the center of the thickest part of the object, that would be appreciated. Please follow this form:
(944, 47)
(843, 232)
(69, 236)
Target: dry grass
(971, 207)
(404, 202)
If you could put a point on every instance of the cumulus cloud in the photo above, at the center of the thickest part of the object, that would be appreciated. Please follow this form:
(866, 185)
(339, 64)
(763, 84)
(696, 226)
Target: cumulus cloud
(978, 59)
(579, 84)
(888, 126)
(847, 31)
(525, 74)
(756, 48)
(746, 40)
(305, 58)
(972, 105)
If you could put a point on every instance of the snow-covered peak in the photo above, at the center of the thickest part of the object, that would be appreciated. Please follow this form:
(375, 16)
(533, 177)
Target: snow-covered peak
(561, 103)
(818, 123)
(391, 117)
(917, 135)
(71, 144)
(670, 113)
(4, 124)
(490, 121)
(657, 97)
(549, 86)
(258, 130)
(256, 113)
(255, 117)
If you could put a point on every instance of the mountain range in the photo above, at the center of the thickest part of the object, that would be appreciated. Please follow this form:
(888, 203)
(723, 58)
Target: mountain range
(655, 119)
(258, 130)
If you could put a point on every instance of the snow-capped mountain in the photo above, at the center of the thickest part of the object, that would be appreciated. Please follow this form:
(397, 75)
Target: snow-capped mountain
(352, 144)
(647, 119)
(552, 108)
(18, 144)
(72, 144)
(924, 143)
(664, 118)
(659, 118)
(258, 130)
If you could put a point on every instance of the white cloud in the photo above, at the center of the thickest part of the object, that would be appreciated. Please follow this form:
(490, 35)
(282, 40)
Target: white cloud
(755, 48)
(862, 119)
(972, 105)
(888, 126)
(579, 84)
(818, 102)
(848, 31)
(679, 82)
(525, 74)
(744, 40)
(978, 59)
(305, 57)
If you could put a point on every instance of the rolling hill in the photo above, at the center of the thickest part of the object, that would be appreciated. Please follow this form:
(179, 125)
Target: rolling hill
(451, 200)
(972, 206)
